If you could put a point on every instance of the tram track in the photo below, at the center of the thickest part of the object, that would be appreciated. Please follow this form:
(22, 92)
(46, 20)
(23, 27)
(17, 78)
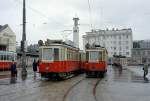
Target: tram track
(94, 89)
(73, 86)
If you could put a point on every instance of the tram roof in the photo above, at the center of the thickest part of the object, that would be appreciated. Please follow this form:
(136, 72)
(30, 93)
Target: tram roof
(59, 44)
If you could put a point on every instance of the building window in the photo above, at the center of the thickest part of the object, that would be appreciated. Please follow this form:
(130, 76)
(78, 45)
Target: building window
(120, 48)
(114, 42)
(148, 52)
(127, 47)
(119, 42)
(138, 52)
(143, 52)
(127, 36)
(119, 37)
(126, 42)
(127, 53)
(103, 37)
(134, 53)
(114, 48)
(120, 53)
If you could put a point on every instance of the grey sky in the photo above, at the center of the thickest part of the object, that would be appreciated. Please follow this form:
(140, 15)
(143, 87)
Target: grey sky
(48, 18)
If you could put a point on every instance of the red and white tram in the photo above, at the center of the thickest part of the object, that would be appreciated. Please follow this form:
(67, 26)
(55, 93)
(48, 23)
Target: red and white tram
(58, 60)
(6, 58)
(96, 61)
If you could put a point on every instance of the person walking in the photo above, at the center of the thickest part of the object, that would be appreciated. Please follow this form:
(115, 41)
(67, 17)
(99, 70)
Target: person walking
(13, 69)
(34, 67)
(145, 68)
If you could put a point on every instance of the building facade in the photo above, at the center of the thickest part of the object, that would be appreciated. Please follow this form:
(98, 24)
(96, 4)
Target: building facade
(141, 44)
(139, 55)
(117, 42)
(7, 39)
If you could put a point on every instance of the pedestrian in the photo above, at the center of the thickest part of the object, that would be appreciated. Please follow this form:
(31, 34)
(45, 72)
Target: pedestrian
(145, 68)
(34, 67)
(13, 69)
(38, 63)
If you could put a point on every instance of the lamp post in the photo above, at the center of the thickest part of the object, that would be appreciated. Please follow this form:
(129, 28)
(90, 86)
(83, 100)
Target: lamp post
(23, 42)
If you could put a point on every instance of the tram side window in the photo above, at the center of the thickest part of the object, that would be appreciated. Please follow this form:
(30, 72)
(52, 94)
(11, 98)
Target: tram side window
(60, 54)
(5, 57)
(100, 56)
(12, 57)
(1, 57)
(9, 57)
(68, 54)
(77, 56)
(64, 54)
(87, 56)
(56, 54)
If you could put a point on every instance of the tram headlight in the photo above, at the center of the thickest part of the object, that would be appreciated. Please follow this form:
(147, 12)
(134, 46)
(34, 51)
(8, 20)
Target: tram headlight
(47, 68)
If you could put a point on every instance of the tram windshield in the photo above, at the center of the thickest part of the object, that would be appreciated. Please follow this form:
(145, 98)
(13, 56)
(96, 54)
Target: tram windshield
(95, 56)
(51, 54)
(48, 54)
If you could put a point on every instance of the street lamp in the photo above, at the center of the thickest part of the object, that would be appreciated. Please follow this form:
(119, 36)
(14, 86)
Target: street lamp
(23, 42)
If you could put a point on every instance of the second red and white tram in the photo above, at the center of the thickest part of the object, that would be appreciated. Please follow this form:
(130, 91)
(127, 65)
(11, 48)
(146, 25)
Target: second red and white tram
(96, 61)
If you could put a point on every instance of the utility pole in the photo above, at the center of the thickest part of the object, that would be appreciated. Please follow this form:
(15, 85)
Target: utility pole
(23, 42)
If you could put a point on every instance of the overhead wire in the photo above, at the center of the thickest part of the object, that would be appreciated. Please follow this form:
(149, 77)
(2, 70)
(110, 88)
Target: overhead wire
(38, 12)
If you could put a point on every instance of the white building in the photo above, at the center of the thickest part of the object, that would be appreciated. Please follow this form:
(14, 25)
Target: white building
(117, 42)
(7, 39)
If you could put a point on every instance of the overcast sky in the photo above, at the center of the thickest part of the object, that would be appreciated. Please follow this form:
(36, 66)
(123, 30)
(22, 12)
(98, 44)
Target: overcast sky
(48, 18)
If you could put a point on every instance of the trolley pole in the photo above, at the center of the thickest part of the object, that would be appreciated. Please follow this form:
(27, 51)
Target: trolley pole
(23, 42)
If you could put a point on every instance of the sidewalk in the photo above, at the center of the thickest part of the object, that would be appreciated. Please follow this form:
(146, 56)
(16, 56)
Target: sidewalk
(7, 74)
(138, 70)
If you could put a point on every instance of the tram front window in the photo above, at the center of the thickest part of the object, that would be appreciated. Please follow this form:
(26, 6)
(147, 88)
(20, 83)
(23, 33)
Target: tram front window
(94, 56)
(48, 54)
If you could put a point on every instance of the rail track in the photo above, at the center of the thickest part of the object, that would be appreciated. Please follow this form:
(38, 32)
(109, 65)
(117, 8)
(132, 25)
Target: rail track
(73, 86)
(94, 88)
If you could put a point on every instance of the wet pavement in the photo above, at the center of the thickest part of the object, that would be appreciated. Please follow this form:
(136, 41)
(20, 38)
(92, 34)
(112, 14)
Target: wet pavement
(127, 86)
(118, 85)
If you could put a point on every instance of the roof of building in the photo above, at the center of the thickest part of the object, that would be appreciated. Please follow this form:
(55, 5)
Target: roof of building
(3, 27)
(98, 32)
